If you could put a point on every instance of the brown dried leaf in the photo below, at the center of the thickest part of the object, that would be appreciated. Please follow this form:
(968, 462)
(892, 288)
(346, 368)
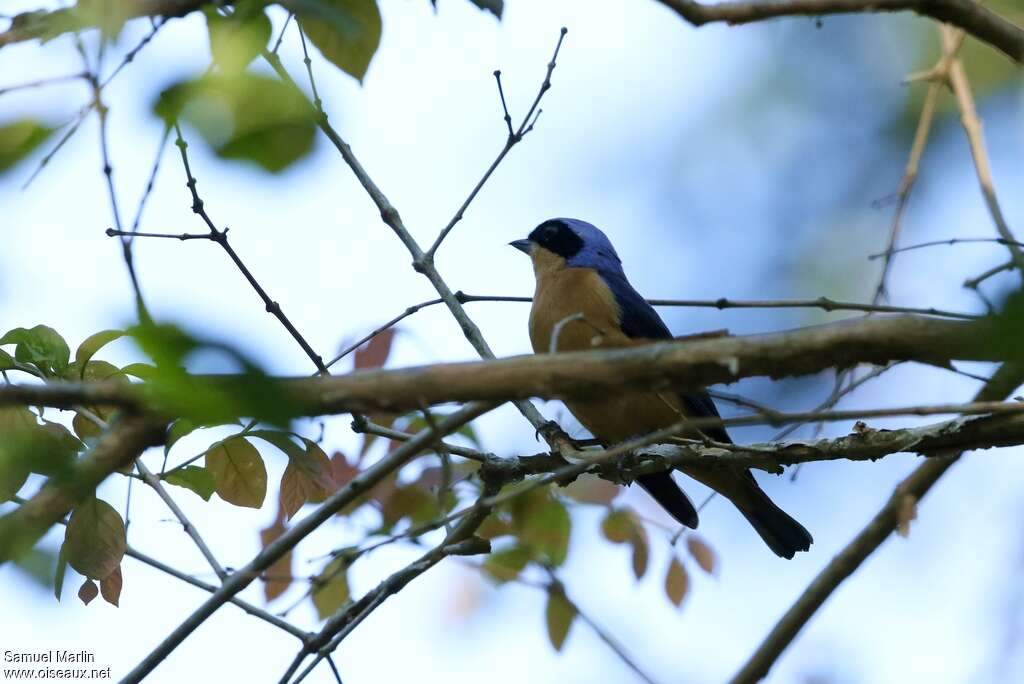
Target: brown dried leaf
(239, 472)
(702, 553)
(677, 582)
(110, 587)
(641, 553)
(94, 540)
(906, 514)
(374, 354)
(88, 591)
(307, 477)
(278, 577)
(559, 615)
(342, 471)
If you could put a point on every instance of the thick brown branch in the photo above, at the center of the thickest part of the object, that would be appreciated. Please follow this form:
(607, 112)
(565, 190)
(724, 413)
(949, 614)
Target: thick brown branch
(676, 365)
(972, 17)
(118, 447)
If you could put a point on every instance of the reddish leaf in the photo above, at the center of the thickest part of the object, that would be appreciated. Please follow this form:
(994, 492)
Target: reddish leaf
(702, 553)
(306, 478)
(676, 582)
(239, 472)
(278, 577)
(342, 471)
(95, 541)
(88, 591)
(559, 615)
(374, 353)
(110, 587)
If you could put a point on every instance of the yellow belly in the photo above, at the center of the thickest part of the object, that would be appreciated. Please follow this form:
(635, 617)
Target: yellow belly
(580, 307)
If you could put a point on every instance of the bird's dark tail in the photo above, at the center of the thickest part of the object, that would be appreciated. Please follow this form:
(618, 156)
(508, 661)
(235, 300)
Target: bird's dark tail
(666, 492)
(783, 535)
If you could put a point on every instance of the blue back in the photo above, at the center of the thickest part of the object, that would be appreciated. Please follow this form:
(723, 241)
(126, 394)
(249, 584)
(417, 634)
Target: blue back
(637, 318)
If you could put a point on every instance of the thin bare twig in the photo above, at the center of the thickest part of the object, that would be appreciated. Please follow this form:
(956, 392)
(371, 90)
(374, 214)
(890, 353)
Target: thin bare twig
(514, 137)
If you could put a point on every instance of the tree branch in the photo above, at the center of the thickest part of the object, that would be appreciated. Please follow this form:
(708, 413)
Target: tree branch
(972, 17)
(358, 486)
(116, 448)
(680, 365)
(911, 490)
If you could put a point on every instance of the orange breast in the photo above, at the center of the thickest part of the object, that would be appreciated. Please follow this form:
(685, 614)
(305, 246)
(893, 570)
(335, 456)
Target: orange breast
(566, 293)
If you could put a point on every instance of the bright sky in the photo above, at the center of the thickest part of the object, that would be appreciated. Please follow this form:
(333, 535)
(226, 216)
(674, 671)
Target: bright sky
(621, 143)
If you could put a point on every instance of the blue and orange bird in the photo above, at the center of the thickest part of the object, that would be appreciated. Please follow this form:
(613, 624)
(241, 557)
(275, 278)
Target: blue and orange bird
(583, 292)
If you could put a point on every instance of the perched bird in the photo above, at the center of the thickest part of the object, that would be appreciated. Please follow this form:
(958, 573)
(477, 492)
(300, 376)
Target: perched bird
(584, 300)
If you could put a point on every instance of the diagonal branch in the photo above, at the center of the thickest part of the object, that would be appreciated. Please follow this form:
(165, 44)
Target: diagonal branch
(911, 490)
(116, 448)
(972, 17)
(358, 486)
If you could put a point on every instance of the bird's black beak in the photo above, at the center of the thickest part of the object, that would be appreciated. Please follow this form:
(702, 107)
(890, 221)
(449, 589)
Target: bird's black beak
(522, 245)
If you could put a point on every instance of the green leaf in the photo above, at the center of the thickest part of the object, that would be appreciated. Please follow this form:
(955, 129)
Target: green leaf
(238, 39)
(202, 399)
(93, 344)
(95, 541)
(48, 449)
(495, 7)
(58, 578)
(7, 361)
(330, 588)
(547, 532)
(142, 371)
(40, 346)
(559, 615)
(505, 566)
(18, 139)
(196, 478)
(413, 502)
(13, 476)
(239, 472)
(347, 32)
(244, 116)
(38, 565)
(619, 526)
